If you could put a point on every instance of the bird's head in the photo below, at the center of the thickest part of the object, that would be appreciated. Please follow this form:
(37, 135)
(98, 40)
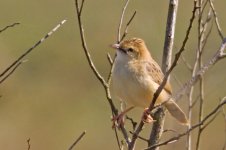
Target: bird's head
(132, 49)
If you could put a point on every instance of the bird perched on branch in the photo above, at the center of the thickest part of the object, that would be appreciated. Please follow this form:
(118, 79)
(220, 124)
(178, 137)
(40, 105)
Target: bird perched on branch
(136, 77)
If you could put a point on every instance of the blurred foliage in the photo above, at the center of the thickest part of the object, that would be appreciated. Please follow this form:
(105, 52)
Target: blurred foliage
(54, 96)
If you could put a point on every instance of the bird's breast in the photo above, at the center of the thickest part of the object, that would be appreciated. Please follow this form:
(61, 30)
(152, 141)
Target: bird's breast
(132, 85)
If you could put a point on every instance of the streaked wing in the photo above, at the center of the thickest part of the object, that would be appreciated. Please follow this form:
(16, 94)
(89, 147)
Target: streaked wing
(156, 73)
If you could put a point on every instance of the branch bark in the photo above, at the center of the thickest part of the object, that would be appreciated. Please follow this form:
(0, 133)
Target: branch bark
(159, 116)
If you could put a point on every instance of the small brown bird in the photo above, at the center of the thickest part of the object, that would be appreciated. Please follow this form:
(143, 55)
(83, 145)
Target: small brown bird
(136, 77)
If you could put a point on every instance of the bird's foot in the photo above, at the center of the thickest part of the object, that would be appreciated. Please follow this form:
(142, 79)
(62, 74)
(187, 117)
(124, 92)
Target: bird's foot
(146, 117)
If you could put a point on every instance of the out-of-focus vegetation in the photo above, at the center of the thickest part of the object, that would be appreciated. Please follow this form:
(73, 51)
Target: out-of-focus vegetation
(54, 96)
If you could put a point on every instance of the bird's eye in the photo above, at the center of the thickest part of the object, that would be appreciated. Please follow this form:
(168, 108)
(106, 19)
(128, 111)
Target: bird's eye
(130, 50)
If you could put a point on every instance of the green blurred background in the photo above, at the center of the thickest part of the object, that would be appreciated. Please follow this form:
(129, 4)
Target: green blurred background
(55, 96)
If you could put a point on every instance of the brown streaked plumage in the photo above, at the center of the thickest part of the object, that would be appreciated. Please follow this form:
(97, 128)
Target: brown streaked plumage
(136, 76)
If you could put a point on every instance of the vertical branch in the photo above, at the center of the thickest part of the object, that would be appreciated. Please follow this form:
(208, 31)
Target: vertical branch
(159, 116)
(224, 116)
(157, 128)
(169, 35)
(202, 39)
(201, 82)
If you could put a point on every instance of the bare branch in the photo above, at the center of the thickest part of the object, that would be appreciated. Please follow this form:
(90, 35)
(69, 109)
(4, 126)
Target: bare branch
(214, 111)
(12, 71)
(216, 20)
(84, 45)
(33, 47)
(117, 138)
(143, 139)
(201, 32)
(224, 116)
(186, 63)
(195, 101)
(170, 130)
(127, 26)
(109, 59)
(9, 26)
(169, 35)
(77, 140)
(28, 144)
(210, 121)
(111, 69)
(134, 124)
(121, 21)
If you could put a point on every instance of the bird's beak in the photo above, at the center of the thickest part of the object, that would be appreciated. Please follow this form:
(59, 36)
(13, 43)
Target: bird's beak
(115, 46)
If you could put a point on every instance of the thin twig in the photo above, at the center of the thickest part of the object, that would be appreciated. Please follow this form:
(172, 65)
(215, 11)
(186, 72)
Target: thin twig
(127, 26)
(186, 63)
(207, 36)
(121, 21)
(216, 20)
(12, 71)
(176, 138)
(224, 116)
(77, 140)
(84, 45)
(201, 31)
(203, 7)
(134, 123)
(195, 101)
(170, 130)
(143, 139)
(111, 69)
(109, 59)
(210, 121)
(117, 138)
(9, 26)
(33, 47)
(28, 144)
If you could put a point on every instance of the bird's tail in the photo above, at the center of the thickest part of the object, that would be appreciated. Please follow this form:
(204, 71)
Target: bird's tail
(176, 112)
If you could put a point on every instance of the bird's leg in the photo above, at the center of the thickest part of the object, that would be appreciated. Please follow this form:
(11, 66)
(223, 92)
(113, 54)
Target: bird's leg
(119, 119)
(146, 117)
